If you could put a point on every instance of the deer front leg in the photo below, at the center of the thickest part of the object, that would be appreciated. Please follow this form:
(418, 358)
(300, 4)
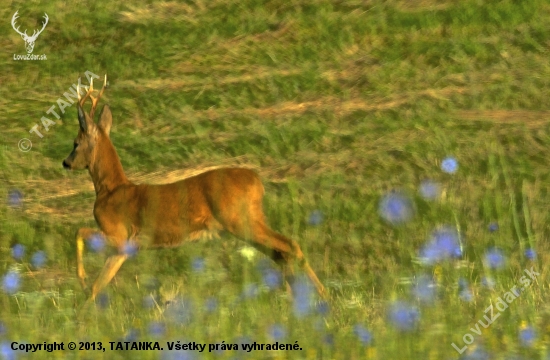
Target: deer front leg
(82, 235)
(111, 267)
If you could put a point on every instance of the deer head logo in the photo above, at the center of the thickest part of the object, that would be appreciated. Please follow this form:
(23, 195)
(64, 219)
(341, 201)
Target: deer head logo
(29, 40)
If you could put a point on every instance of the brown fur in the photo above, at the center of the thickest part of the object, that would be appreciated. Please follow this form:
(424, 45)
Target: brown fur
(167, 215)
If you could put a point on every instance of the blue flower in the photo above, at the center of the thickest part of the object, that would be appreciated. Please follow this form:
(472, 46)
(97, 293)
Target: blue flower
(328, 339)
(363, 334)
(464, 292)
(130, 248)
(180, 311)
(96, 242)
(148, 302)
(250, 291)
(315, 218)
(210, 304)
(180, 354)
(527, 336)
(449, 165)
(477, 354)
(494, 258)
(302, 291)
(530, 254)
(38, 259)
(152, 284)
(15, 198)
(198, 264)
(488, 282)
(272, 278)
(18, 251)
(132, 336)
(11, 282)
(444, 243)
(323, 307)
(429, 190)
(276, 332)
(241, 341)
(425, 289)
(157, 328)
(6, 351)
(103, 300)
(396, 208)
(404, 316)
(493, 227)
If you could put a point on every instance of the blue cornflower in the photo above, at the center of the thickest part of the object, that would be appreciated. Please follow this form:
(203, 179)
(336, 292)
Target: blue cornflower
(181, 354)
(530, 254)
(494, 258)
(11, 282)
(210, 304)
(276, 332)
(103, 300)
(180, 311)
(242, 340)
(157, 328)
(477, 354)
(404, 316)
(323, 307)
(488, 282)
(464, 292)
(429, 190)
(38, 259)
(444, 243)
(396, 208)
(493, 227)
(303, 294)
(328, 339)
(363, 334)
(425, 288)
(449, 165)
(18, 251)
(132, 335)
(272, 278)
(6, 351)
(148, 302)
(527, 336)
(96, 242)
(130, 248)
(198, 264)
(315, 218)
(15, 198)
(250, 291)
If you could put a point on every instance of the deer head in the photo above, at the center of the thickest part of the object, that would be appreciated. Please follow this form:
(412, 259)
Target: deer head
(90, 134)
(29, 40)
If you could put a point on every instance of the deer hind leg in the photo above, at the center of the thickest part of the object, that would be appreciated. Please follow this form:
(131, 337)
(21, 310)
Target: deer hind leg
(290, 251)
(281, 259)
(81, 235)
(280, 248)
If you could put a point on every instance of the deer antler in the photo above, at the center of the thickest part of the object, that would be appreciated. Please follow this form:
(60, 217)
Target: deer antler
(14, 19)
(89, 91)
(35, 33)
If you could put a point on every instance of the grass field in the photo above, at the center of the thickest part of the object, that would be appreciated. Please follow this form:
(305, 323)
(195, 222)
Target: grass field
(345, 108)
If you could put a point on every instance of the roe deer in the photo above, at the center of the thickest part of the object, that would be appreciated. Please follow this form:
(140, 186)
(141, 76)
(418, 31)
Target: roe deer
(166, 215)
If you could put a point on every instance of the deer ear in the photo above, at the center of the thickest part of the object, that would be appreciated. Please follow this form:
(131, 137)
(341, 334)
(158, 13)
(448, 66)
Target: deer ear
(84, 120)
(105, 119)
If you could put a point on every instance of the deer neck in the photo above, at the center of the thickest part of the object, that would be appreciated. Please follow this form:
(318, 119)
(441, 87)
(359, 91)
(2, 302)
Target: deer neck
(105, 169)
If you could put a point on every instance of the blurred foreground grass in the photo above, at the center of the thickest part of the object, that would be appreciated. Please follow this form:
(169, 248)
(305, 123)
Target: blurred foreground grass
(336, 104)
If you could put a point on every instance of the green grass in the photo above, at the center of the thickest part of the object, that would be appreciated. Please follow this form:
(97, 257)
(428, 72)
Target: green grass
(335, 103)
